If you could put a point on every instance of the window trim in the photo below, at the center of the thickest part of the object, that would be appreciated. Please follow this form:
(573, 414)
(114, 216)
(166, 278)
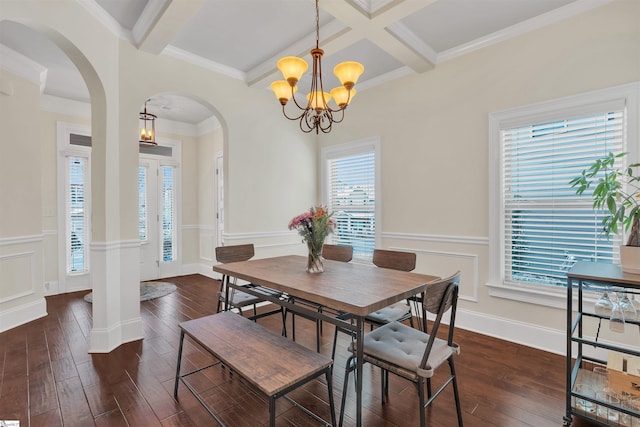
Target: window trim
(360, 146)
(571, 105)
(80, 280)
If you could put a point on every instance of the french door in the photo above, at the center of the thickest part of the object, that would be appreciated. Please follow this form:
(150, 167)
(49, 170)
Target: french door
(157, 218)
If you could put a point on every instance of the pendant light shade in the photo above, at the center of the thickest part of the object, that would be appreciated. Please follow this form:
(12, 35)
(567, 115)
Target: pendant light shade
(292, 68)
(348, 73)
(147, 127)
(342, 96)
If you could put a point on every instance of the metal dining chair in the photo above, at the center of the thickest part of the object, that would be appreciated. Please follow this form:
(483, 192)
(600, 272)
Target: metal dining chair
(238, 299)
(398, 312)
(342, 253)
(413, 354)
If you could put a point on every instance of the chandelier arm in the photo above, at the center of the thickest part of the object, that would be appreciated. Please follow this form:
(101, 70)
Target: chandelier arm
(304, 120)
(317, 114)
(341, 116)
(298, 105)
(284, 112)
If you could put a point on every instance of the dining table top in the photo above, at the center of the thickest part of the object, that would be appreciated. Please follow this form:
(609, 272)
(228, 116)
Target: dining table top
(351, 287)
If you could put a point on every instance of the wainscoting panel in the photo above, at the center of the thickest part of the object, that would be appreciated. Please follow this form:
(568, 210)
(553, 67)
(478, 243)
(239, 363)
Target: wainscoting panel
(441, 263)
(207, 240)
(18, 276)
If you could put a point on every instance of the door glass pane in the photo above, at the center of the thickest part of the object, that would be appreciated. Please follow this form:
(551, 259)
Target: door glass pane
(168, 214)
(142, 203)
(77, 229)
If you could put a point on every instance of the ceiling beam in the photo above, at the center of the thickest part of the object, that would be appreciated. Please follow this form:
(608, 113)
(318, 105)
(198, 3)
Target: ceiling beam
(160, 21)
(353, 24)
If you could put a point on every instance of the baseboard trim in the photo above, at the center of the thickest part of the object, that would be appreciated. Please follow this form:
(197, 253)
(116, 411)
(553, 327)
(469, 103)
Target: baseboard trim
(22, 314)
(104, 340)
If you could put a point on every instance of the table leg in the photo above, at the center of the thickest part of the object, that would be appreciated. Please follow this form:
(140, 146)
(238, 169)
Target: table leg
(175, 388)
(359, 360)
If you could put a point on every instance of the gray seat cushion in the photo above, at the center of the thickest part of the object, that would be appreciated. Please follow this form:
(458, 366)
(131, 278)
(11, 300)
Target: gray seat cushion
(390, 314)
(241, 299)
(403, 346)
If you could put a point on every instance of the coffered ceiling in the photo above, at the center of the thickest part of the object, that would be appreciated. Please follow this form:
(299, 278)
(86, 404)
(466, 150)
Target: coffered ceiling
(244, 38)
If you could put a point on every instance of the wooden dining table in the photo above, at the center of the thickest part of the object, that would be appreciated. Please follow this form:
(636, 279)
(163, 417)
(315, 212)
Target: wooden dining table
(353, 288)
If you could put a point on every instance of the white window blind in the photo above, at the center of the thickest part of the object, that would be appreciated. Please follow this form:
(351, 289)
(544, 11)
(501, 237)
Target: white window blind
(352, 198)
(77, 221)
(547, 227)
(142, 203)
(168, 214)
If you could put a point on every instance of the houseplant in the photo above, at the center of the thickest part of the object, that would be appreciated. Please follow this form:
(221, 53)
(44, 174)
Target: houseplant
(314, 226)
(617, 191)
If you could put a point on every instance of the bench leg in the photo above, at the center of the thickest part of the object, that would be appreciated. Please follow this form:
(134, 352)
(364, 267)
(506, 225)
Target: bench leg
(175, 388)
(272, 411)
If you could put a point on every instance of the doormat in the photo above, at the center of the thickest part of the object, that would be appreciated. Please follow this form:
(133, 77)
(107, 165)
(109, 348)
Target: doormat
(148, 290)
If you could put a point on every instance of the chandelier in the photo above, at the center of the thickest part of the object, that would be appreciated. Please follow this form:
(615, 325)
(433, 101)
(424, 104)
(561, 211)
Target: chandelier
(317, 114)
(147, 126)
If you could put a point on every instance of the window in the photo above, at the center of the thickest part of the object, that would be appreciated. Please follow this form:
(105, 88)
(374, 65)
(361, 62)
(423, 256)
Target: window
(540, 227)
(77, 218)
(74, 206)
(351, 188)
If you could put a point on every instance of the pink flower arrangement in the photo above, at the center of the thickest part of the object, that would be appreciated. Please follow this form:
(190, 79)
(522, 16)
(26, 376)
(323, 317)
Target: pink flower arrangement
(314, 226)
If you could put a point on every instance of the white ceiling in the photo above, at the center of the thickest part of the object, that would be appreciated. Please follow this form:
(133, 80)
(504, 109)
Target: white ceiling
(244, 38)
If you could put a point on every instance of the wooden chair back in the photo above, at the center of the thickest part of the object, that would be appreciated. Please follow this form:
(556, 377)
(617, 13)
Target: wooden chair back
(396, 260)
(342, 253)
(442, 295)
(234, 253)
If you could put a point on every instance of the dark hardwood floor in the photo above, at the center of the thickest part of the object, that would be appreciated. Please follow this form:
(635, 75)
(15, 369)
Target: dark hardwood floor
(47, 378)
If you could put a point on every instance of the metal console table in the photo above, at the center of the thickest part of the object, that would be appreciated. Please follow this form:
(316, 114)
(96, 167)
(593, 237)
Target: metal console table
(598, 276)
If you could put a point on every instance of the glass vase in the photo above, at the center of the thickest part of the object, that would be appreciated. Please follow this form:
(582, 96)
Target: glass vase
(314, 261)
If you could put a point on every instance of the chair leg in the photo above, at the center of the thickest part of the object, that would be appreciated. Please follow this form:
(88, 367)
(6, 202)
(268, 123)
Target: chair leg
(429, 388)
(385, 385)
(421, 398)
(335, 340)
(332, 406)
(343, 402)
(455, 391)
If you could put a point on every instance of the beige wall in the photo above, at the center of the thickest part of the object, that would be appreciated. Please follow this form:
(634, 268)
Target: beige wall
(433, 129)
(434, 142)
(21, 237)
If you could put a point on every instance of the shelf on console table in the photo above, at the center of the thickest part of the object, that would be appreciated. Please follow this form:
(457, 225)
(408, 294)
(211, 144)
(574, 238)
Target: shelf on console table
(601, 274)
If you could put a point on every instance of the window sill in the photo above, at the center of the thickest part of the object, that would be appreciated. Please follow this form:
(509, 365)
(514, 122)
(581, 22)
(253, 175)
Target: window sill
(545, 295)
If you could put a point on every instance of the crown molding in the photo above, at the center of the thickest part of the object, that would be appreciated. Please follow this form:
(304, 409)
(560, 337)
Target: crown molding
(408, 37)
(23, 67)
(183, 55)
(207, 125)
(107, 20)
(178, 128)
(70, 107)
(557, 15)
(385, 78)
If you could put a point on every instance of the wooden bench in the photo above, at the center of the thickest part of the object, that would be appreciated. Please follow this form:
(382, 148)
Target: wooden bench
(271, 363)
